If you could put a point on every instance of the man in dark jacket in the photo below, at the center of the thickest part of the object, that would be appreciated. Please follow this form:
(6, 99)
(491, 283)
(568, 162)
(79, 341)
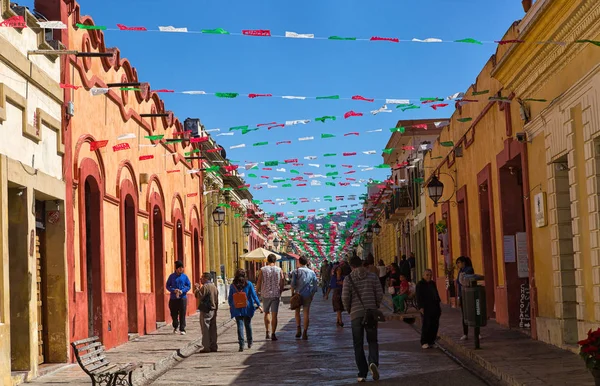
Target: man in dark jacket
(208, 303)
(405, 268)
(178, 285)
(362, 291)
(428, 300)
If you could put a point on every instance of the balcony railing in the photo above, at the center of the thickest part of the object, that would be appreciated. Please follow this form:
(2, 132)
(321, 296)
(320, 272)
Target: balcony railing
(400, 200)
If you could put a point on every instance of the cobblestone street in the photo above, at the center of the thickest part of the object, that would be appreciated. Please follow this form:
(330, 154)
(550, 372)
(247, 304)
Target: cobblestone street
(326, 358)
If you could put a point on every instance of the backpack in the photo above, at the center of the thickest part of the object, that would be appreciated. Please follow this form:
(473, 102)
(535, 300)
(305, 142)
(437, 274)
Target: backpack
(240, 300)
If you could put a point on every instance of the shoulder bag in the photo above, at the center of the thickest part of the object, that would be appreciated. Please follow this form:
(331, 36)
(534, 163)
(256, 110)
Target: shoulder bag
(296, 299)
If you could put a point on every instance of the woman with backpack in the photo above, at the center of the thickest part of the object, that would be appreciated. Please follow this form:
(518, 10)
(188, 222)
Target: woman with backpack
(242, 300)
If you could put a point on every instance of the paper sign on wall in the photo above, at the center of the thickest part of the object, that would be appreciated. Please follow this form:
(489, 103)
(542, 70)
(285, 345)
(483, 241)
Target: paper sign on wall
(539, 206)
(509, 249)
(522, 255)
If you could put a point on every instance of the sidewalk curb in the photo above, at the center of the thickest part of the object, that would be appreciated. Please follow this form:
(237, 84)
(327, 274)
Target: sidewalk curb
(151, 374)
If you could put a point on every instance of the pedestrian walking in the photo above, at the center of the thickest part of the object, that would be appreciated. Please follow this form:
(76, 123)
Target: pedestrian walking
(207, 296)
(428, 300)
(465, 267)
(270, 284)
(362, 291)
(304, 283)
(325, 274)
(336, 285)
(178, 284)
(382, 274)
(370, 264)
(242, 301)
(412, 261)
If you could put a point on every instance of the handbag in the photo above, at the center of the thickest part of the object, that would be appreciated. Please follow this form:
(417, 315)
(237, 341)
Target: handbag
(371, 316)
(240, 300)
(296, 299)
(391, 290)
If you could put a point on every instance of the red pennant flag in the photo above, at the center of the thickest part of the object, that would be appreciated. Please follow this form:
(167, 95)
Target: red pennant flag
(297, 179)
(64, 85)
(284, 142)
(266, 124)
(408, 148)
(278, 125)
(503, 42)
(352, 114)
(353, 133)
(350, 179)
(421, 126)
(191, 194)
(259, 95)
(344, 183)
(230, 168)
(256, 32)
(350, 172)
(291, 161)
(362, 98)
(393, 40)
(125, 28)
(267, 168)
(95, 145)
(439, 105)
(121, 146)
(311, 211)
(264, 177)
(257, 187)
(146, 157)
(216, 150)
(182, 132)
(298, 164)
(199, 139)
(162, 90)
(349, 154)
(347, 166)
(173, 171)
(308, 173)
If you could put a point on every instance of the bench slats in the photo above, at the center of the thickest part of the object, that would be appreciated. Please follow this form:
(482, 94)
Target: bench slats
(83, 341)
(104, 370)
(92, 360)
(90, 346)
(97, 365)
(91, 354)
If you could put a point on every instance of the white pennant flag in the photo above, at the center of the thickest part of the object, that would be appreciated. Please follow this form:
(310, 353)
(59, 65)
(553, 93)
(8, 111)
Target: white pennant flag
(170, 28)
(218, 135)
(238, 146)
(456, 96)
(397, 101)
(382, 109)
(98, 91)
(192, 171)
(212, 130)
(315, 183)
(428, 40)
(293, 97)
(289, 34)
(355, 185)
(282, 170)
(370, 152)
(250, 166)
(306, 139)
(367, 169)
(123, 137)
(375, 131)
(194, 92)
(297, 122)
(441, 124)
(272, 186)
(310, 157)
(314, 165)
(52, 25)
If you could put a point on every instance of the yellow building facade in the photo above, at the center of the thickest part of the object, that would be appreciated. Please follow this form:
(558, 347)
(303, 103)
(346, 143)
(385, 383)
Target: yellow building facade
(563, 141)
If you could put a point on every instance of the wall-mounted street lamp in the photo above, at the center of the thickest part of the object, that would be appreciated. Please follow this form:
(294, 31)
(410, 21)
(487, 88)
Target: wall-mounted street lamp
(435, 188)
(276, 243)
(369, 233)
(376, 228)
(218, 216)
(247, 228)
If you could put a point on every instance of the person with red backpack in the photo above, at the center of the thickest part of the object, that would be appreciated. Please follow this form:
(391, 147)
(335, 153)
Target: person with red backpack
(242, 300)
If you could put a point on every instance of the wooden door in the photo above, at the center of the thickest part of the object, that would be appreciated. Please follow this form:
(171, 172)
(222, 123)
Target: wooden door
(41, 306)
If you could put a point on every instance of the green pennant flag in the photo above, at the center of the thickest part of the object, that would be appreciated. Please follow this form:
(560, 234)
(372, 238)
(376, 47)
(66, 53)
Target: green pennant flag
(246, 131)
(330, 184)
(464, 119)
(192, 152)
(400, 130)
(91, 27)
(286, 185)
(594, 42)
(324, 118)
(294, 202)
(332, 207)
(329, 155)
(174, 140)
(410, 107)
(216, 31)
(340, 38)
(238, 128)
(243, 188)
(327, 136)
(438, 157)
(383, 166)
(534, 100)
(330, 166)
(129, 89)
(252, 175)
(301, 211)
(226, 189)
(294, 171)
(223, 205)
(271, 163)
(447, 143)
(468, 40)
(475, 93)
(212, 168)
(257, 202)
(275, 181)
(255, 167)
(226, 94)
(329, 97)
(331, 174)
(236, 215)
(260, 144)
(388, 151)
(154, 137)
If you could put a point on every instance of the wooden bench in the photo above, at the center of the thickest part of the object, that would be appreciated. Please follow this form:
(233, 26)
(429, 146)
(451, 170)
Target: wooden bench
(92, 358)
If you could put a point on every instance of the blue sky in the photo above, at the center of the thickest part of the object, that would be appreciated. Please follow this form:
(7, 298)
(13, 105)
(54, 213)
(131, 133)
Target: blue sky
(217, 63)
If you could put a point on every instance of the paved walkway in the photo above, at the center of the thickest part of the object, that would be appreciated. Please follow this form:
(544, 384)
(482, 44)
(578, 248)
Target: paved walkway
(327, 358)
(157, 351)
(511, 355)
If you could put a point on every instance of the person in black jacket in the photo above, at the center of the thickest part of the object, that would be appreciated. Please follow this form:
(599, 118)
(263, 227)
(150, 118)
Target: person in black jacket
(428, 300)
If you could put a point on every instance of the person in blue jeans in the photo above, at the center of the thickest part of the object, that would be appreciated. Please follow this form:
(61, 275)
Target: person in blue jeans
(304, 282)
(178, 285)
(243, 315)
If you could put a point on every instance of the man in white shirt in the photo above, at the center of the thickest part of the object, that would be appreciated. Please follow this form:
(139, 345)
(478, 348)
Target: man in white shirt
(270, 285)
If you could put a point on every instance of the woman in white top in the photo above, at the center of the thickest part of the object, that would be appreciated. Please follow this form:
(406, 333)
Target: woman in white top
(382, 273)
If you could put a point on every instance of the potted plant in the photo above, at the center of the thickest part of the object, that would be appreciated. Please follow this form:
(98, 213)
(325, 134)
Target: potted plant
(590, 352)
